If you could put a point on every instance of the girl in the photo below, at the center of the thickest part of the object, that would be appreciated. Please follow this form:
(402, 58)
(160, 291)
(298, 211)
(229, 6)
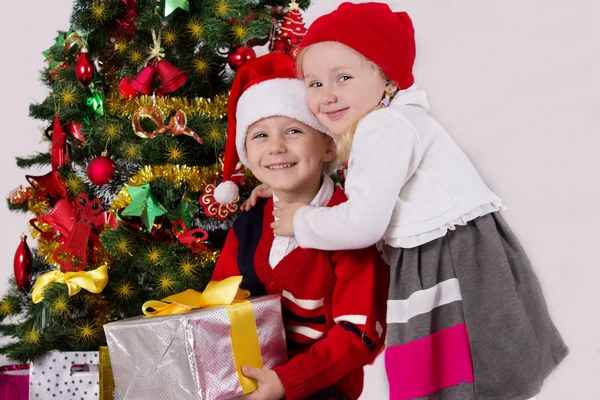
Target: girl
(466, 316)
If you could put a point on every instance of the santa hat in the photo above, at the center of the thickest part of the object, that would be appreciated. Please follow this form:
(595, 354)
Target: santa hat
(385, 37)
(265, 87)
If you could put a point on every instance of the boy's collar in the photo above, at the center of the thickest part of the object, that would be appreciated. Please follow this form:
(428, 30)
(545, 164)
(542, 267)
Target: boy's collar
(324, 194)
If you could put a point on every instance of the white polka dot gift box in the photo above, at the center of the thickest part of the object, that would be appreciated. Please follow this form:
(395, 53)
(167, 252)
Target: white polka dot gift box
(196, 355)
(65, 376)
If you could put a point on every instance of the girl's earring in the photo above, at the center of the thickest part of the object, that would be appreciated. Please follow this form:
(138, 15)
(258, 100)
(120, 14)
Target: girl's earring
(387, 97)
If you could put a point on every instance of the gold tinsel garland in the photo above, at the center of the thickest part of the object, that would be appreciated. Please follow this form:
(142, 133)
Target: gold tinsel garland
(38, 205)
(194, 179)
(213, 109)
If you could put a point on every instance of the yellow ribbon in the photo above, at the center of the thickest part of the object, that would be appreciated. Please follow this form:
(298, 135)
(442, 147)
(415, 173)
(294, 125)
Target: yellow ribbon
(243, 332)
(93, 281)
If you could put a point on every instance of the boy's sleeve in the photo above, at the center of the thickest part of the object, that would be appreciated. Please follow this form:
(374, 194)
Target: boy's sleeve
(359, 311)
(385, 155)
(227, 263)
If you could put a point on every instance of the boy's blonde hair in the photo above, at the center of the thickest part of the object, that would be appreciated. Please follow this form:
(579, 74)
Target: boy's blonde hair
(344, 140)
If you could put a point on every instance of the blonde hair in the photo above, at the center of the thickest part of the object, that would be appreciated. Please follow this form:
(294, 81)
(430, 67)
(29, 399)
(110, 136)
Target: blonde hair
(344, 140)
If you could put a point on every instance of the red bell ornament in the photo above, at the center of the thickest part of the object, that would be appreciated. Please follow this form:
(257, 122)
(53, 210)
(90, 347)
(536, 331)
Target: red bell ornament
(143, 82)
(172, 78)
(84, 68)
(22, 265)
(126, 90)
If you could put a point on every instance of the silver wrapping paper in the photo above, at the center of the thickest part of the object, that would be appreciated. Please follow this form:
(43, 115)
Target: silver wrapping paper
(208, 336)
(188, 356)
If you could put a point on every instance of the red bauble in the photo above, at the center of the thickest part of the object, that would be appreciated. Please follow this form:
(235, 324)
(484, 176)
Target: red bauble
(22, 265)
(84, 68)
(240, 56)
(101, 170)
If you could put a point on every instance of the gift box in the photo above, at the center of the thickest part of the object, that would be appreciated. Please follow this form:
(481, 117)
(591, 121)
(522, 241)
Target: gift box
(196, 355)
(14, 382)
(65, 375)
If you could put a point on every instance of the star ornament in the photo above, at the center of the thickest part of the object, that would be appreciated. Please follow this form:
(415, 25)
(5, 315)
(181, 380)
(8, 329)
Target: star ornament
(172, 5)
(143, 204)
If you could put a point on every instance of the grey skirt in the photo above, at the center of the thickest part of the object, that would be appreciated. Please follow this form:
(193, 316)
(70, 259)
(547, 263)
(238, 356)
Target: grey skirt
(467, 318)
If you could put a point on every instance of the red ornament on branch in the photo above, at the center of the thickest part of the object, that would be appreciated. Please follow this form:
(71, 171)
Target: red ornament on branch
(74, 226)
(84, 68)
(194, 239)
(240, 56)
(214, 209)
(101, 170)
(22, 265)
(171, 78)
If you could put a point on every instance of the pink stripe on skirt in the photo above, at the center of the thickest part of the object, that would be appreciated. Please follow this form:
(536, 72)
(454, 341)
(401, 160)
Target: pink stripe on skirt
(424, 366)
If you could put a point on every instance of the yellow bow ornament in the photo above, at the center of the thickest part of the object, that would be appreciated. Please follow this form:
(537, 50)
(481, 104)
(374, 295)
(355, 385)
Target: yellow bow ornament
(93, 281)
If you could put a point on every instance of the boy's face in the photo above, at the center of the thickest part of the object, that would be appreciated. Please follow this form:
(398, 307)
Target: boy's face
(342, 86)
(288, 156)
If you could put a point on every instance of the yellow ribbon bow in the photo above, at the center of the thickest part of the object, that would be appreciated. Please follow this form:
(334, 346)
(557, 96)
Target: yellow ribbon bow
(93, 281)
(243, 332)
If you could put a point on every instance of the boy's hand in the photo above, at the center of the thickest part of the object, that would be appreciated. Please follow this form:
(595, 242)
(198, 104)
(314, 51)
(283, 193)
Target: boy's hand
(269, 385)
(262, 190)
(285, 212)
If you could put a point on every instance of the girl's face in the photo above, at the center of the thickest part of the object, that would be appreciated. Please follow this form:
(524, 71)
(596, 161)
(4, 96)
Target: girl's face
(342, 86)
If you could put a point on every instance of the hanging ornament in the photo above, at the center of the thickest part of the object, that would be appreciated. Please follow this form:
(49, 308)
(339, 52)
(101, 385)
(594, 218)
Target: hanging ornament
(59, 155)
(126, 24)
(172, 5)
(50, 184)
(194, 239)
(143, 82)
(96, 101)
(101, 170)
(84, 68)
(176, 126)
(184, 212)
(21, 194)
(22, 265)
(240, 56)
(144, 204)
(291, 32)
(75, 131)
(172, 78)
(214, 209)
(126, 90)
(74, 225)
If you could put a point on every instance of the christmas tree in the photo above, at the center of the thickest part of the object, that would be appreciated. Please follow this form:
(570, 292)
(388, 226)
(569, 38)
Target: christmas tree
(136, 122)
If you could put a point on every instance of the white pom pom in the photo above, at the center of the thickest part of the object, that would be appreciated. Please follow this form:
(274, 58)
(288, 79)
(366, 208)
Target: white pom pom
(227, 192)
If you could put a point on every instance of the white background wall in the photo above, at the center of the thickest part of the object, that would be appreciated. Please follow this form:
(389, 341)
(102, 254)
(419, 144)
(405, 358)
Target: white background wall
(514, 82)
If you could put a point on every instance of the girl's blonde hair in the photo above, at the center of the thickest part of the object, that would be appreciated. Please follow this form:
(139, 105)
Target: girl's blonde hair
(344, 140)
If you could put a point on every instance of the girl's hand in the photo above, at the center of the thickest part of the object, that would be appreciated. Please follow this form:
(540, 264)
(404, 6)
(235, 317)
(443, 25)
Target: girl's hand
(262, 190)
(285, 212)
(269, 385)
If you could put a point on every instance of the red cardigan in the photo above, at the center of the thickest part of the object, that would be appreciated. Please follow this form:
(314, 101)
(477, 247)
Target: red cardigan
(333, 303)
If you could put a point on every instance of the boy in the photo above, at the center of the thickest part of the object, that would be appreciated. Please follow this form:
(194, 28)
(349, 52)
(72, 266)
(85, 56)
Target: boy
(334, 302)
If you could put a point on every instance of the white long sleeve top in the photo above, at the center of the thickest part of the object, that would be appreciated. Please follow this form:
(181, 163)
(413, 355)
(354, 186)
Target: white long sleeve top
(407, 182)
